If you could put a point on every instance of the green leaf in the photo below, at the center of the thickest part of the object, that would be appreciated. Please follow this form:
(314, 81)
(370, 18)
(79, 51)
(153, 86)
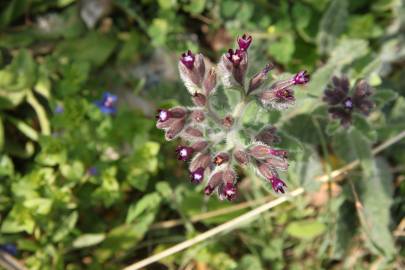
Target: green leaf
(332, 24)
(346, 228)
(250, 262)
(384, 96)
(158, 31)
(148, 203)
(14, 9)
(305, 229)
(283, 49)
(78, 49)
(376, 196)
(195, 6)
(87, 240)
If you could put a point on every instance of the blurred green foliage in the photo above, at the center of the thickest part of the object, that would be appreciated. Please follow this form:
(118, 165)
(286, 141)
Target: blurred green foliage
(80, 189)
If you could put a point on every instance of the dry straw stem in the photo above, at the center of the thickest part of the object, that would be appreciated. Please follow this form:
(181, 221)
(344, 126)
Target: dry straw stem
(238, 221)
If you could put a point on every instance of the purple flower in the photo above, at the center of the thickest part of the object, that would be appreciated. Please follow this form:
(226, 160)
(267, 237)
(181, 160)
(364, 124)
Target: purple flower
(197, 176)
(93, 171)
(341, 104)
(107, 103)
(227, 191)
(162, 115)
(301, 77)
(59, 109)
(244, 42)
(188, 59)
(278, 185)
(184, 152)
(235, 56)
(9, 248)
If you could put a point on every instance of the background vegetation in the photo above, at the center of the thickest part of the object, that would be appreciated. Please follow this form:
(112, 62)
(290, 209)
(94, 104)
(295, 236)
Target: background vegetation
(81, 189)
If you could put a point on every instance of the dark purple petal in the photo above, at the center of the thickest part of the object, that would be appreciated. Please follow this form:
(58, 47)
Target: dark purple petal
(278, 185)
(197, 176)
(188, 59)
(184, 152)
(227, 191)
(301, 77)
(244, 42)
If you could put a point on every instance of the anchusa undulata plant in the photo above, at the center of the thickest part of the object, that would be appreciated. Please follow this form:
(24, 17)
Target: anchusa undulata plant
(342, 104)
(218, 142)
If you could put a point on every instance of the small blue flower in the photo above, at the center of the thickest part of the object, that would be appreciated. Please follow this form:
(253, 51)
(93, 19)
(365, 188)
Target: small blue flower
(107, 104)
(9, 248)
(59, 109)
(93, 171)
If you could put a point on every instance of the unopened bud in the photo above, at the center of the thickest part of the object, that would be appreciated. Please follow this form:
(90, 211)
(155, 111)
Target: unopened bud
(268, 136)
(278, 163)
(198, 116)
(190, 131)
(259, 151)
(214, 181)
(210, 81)
(175, 128)
(227, 121)
(259, 78)
(265, 170)
(241, 157)
(199, 146)
(200, 65)
(200, 160)
(199, 99)
(229, 176)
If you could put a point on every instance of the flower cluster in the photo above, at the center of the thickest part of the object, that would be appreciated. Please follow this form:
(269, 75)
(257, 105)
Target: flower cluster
(214, 141)
(342, 104)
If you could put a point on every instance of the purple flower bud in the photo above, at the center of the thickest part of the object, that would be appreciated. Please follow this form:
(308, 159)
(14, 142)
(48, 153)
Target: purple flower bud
(199, 99)
(260, 151)
(221, 158)
(279, 153)
(241, 157)
(280, 98)
(214, 181)
(259, 78)
(361, 99)
(197, 176)
(184, 152)
(107, 103)
(198, 116)
(193, 132)
(265, 170)
(210, 81)
(268, 136)
(244, 42)
(277, 184)
(301, 77)
(200, 160)
(227, 121)
(176, 126)
(199, 146)
(188, 59)
(336, 92)
(278, 163)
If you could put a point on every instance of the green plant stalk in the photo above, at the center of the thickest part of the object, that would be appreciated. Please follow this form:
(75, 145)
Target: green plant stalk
(40, 111)
(26, 129)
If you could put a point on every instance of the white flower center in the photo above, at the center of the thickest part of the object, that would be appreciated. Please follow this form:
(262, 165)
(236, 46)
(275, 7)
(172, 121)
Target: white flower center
(183, 152)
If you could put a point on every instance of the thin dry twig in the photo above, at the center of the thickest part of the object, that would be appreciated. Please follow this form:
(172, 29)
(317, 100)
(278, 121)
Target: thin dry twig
(255, 212)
